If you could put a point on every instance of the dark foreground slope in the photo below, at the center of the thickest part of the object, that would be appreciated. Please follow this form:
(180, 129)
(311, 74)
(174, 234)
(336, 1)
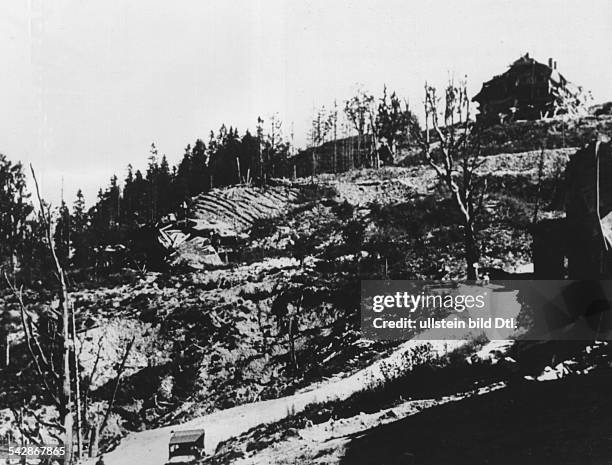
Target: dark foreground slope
(557, 422)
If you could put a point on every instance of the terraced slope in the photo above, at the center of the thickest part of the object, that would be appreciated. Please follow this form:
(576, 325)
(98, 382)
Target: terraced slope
(236, 208)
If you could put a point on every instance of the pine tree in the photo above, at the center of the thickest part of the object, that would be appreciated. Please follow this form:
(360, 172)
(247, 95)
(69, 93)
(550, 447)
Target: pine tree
(114, 203)
(248, 154)
(14, 211)
(260, 160)
(164, 183)
(141, 194)
(61, 236)
(153, 184)
(200, 175)
(181, 178)
(80, 232)
(127, 217)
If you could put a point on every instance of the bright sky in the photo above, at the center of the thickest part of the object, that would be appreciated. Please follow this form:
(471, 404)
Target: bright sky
(86, 86)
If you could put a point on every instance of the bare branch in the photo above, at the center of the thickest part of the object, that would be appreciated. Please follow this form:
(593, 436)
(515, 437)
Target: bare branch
(458, 158)
(128, 348)
(94, 369)
(65, 406)
(48, 424)
(24, 432)
(31, 340)
(49, 235)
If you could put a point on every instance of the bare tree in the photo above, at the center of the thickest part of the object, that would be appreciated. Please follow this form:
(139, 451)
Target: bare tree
(88, 380)
(318, 134)
(347, 146)
(393, 120)
(454, 153)
(98, 428)
(50, 340)
(260, 173)
(274, 145)
(55, 379)
(360, 111)
(66, 399)
(286, 308)
(332, 125)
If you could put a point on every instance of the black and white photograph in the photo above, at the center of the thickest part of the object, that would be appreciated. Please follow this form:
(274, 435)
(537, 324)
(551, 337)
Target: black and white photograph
(306, 232)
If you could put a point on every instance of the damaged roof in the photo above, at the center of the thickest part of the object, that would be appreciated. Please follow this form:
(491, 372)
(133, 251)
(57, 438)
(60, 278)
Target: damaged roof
(555, 77)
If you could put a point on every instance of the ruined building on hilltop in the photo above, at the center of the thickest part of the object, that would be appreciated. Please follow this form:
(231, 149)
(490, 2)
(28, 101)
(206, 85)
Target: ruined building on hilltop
(529, 90)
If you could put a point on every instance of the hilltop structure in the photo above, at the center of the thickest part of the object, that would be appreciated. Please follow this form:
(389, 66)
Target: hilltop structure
(529, 90)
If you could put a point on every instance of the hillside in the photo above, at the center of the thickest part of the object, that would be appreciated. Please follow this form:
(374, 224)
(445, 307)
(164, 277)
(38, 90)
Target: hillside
(511, 137)
(305, 233)
(211, 341)
(489, 422)
(150, 446)
(235, 209)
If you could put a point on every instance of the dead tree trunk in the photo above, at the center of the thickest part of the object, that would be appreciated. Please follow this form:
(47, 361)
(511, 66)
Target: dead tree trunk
(358, 158)
(455, 159)
(97, 430)
(472, 252)
(94, 436)
(314, 164)
(77, 377)
(291, 342)
(65, 406)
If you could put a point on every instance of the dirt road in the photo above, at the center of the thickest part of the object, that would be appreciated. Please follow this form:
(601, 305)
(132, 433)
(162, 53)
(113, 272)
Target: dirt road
(151, 447)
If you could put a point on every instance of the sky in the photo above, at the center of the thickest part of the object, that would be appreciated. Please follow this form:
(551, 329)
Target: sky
(86, 86)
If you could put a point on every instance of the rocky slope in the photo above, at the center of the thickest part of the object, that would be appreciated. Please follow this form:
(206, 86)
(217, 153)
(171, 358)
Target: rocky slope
(213, 340)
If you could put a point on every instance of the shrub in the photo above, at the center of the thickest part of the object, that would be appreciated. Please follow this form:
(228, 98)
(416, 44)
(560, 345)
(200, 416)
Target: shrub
(344, 211)
(262, 228)
(353, 234)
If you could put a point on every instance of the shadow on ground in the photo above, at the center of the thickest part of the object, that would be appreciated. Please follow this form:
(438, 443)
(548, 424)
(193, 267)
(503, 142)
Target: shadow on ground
(556, 422)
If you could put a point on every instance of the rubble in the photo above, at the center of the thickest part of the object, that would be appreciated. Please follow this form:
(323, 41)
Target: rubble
(196, 253)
